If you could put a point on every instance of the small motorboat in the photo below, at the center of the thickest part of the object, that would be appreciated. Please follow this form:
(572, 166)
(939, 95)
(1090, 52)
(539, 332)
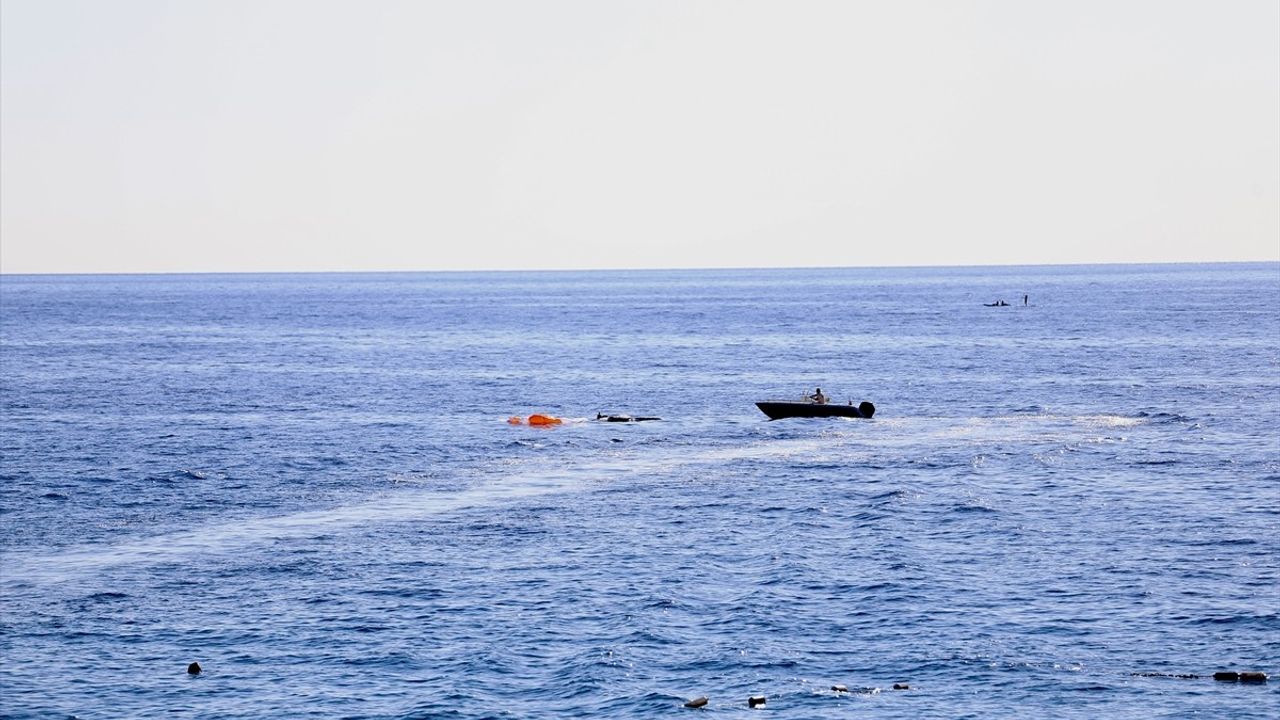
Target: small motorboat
(779, 409)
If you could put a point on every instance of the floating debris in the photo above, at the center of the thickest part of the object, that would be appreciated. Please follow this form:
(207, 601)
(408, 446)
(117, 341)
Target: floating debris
(1233, 676)
(697, 702)
(756, 701)
(624, 418)
(1167, 675)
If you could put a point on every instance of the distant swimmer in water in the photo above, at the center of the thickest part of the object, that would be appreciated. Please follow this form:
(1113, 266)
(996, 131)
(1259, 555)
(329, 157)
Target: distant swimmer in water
(998, 303)
(818, 397)
(1024, 299)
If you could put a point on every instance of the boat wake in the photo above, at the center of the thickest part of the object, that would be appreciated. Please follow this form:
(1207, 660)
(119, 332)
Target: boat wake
(510, 480)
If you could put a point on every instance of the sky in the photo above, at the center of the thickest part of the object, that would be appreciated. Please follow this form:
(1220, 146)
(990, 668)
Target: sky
(312, 135)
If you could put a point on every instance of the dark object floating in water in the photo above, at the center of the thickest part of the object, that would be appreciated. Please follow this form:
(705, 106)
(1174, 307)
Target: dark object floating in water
(857, 690)
(193, 668)
(756, 701)
(998, 303)
(624, 418)
(901, 686)
(1244, 677)
(776, 410)
(696, 702)
(1182, 676)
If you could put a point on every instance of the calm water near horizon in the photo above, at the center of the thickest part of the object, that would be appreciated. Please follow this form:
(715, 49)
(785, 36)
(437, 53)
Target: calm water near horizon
(307, 484)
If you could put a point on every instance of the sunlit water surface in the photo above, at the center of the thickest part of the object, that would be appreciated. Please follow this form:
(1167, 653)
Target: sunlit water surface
(307, 484)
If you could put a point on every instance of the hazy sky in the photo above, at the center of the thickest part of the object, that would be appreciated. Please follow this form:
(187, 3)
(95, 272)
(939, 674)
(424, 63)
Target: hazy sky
(150, 135)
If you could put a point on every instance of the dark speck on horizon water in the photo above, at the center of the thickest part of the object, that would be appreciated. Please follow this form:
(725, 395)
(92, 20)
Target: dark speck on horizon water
(307, 484)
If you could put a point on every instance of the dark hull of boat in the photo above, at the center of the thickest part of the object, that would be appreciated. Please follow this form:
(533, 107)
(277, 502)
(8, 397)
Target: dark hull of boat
(780, 410)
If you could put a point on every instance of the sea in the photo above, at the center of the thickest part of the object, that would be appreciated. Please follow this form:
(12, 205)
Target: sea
(308, 484)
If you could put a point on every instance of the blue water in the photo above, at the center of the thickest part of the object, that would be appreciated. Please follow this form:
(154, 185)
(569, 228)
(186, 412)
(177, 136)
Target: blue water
(307, 484)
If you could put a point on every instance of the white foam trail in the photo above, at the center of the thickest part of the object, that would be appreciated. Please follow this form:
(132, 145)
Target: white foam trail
(511, 483)
(1108, 420)
(506, 482)
(230, 536)
(1004, 428)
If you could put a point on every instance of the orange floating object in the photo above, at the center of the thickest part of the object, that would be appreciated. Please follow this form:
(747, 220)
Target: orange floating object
(514, 420)
(543, 420)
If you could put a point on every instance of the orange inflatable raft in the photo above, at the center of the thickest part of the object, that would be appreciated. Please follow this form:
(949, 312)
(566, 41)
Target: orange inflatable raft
(535, 419)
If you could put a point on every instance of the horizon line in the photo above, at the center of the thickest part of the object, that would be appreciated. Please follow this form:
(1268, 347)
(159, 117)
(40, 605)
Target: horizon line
(3, 273)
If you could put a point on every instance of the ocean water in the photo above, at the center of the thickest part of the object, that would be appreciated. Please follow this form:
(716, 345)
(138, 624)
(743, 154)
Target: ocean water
(307, 484)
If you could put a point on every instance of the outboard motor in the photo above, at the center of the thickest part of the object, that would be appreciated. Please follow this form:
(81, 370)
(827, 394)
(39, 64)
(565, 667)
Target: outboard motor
(867, 409)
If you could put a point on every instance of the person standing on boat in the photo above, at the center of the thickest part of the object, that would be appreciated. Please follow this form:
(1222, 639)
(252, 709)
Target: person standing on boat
(818, 397)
